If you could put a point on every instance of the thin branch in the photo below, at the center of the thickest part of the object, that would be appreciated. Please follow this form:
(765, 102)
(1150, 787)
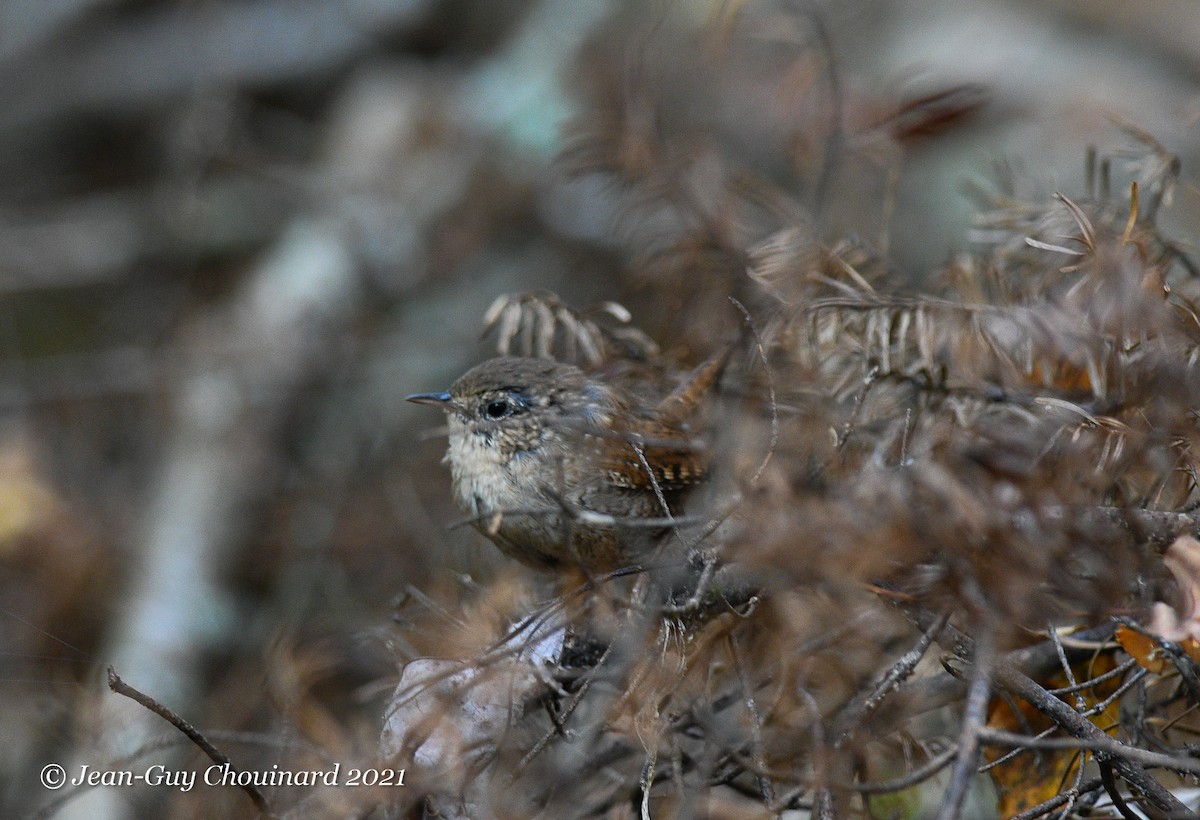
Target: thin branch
(918, 775)
(861, 708)
(762, 355)
(1098, 743)
(216, 755)
(1128, 761)
(974, 717)
(1114, 791)
(1047, 806)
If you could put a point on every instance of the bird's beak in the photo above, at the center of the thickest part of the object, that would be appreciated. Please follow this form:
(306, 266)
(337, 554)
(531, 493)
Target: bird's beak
(436, 399)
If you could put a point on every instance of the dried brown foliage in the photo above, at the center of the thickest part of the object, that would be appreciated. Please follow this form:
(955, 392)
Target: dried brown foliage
(226, 264)
(974, 471)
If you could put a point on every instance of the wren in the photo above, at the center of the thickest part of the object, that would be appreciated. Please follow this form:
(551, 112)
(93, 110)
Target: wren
(563, 471)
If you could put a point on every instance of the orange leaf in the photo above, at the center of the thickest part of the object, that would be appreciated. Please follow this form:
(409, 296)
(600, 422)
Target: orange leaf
(1142, 649)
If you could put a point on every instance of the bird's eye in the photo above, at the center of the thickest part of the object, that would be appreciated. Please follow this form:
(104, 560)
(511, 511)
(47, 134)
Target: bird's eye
(497, 409)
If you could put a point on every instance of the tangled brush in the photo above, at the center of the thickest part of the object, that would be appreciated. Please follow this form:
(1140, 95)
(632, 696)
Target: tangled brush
(991, 473)
(930, 567)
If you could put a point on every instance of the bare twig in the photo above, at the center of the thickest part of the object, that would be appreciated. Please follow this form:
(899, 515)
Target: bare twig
(762, 355)
(916, 776)
(216, 755)
(854, 714)
(1047, 806)
(1097, 743)
(1128, 761)
(974, 717)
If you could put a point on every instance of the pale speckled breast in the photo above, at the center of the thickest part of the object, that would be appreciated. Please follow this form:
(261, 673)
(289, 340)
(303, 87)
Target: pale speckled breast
(522, 490)
(483, 477)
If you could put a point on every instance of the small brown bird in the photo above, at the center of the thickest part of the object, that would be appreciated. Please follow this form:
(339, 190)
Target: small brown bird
(562, 471)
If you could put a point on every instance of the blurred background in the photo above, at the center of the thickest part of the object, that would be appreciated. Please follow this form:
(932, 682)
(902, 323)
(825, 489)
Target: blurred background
(234, 234)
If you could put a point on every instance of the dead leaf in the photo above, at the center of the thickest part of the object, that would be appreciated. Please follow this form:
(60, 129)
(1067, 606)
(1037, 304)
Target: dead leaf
(1146, 651)
(1183, 560)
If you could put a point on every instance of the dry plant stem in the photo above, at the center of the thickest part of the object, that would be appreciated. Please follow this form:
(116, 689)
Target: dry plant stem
(974, 718)
(565, 714)
(1101, 743)
(1156, 525)
(826, 808)
(773, 442)
(1125, 759)
(1114, 791)
(1096, 709)
(859, 710)
(1080, 704)
(918, 775)
(1047, 806)
(1074, 790)
(767, 790)
(946, 689)
(585, 517)
(1044, 656)
(1090, 682)
(645, 782)
(216, 755)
